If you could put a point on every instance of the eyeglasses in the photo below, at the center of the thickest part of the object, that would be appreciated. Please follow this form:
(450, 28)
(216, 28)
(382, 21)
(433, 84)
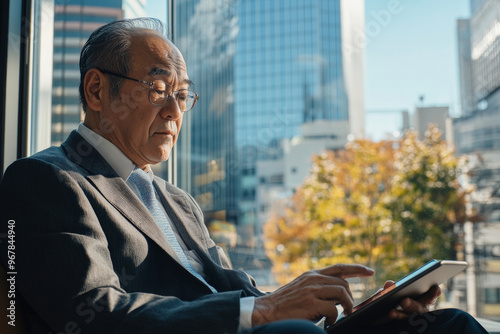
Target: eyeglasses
(160, 93)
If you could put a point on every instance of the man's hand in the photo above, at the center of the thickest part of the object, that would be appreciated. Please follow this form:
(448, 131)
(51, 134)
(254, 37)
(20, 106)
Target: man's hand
(409, 305)
(418, 305)
(311, 296)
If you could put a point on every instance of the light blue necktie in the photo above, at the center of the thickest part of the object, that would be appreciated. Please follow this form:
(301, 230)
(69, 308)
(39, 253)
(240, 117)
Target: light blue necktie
(143, 182)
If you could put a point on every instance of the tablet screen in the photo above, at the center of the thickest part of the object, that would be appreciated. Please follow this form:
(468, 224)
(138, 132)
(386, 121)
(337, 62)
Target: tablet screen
(375, 296)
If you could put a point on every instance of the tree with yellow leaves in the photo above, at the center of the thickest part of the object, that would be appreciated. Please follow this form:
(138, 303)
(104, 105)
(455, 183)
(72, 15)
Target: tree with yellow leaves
(387, 205)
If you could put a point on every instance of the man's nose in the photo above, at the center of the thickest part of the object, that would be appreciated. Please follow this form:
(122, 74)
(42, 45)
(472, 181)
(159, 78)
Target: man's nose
(171, 110)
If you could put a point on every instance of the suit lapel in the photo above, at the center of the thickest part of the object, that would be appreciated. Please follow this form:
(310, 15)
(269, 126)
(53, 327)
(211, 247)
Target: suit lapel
(114, 189)
(118, 194)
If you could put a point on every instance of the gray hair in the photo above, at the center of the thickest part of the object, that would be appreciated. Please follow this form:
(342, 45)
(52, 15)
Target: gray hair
(108, 48)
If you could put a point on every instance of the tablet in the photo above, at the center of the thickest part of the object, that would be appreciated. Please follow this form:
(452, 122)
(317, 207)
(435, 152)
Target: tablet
(415, 284)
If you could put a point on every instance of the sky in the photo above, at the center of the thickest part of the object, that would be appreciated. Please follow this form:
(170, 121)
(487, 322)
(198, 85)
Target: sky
(156, 8)
(411, 51)
(414, 54)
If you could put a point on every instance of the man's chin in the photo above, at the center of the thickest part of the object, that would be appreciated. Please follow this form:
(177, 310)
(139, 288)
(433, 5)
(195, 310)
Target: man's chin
(154, 160)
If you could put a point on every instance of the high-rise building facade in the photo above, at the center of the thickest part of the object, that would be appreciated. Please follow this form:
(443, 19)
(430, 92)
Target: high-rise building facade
(205, 32)
(477, 135)
(485, 47)
(74, 21)
(262, 68)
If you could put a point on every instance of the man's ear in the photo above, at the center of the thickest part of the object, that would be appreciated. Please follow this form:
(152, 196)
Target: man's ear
(93, 88)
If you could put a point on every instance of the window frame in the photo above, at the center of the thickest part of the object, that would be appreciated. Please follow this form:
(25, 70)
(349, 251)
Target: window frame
(24, 49)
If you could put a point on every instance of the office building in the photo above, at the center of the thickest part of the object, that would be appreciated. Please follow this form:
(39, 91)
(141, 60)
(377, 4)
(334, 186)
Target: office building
(477, 135)
(74, 21)
(316, 138)
(437, 115)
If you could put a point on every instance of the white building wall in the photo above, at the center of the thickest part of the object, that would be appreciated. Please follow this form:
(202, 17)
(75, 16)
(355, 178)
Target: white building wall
(426, 115)
(353, 50)
(316, 137)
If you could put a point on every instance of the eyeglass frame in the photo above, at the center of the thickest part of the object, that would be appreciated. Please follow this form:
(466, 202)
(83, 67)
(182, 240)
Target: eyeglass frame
(150, 84)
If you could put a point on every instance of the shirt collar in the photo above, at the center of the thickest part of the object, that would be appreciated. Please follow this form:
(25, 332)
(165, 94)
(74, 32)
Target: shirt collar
(121, 164)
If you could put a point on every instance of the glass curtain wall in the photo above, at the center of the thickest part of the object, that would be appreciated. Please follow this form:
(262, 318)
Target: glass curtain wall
(263, 69)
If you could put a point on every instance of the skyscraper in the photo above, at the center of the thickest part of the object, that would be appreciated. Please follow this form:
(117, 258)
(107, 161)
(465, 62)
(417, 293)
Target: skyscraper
(262, 68)
(74, 21)
(477, 134)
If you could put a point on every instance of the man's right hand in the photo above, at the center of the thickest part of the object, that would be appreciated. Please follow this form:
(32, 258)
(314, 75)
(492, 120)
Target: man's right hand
(311, 296)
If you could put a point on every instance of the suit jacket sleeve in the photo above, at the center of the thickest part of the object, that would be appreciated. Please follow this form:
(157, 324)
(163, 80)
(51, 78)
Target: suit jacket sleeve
(66, 272)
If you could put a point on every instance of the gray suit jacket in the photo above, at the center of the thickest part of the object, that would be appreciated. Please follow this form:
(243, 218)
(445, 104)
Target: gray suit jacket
(90, 258)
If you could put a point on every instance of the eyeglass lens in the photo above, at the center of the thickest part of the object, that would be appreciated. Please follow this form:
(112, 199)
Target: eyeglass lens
(161, 92)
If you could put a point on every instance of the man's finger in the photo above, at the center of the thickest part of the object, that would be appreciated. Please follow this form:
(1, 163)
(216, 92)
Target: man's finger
(430, 297)
(330, 312)
(336, 281)
(340, 295)
(347, 270)
(388, 284)
(413, 306)
(421, 304)
(397, 315)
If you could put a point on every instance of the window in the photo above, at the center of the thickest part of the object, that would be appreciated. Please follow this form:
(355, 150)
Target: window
(266, 72)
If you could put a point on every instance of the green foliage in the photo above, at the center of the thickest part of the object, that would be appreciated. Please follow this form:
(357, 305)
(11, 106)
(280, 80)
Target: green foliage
(390, 206)
(425, 195)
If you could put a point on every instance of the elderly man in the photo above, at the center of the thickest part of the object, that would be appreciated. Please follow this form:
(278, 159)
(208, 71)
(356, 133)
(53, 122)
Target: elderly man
(103, 246)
